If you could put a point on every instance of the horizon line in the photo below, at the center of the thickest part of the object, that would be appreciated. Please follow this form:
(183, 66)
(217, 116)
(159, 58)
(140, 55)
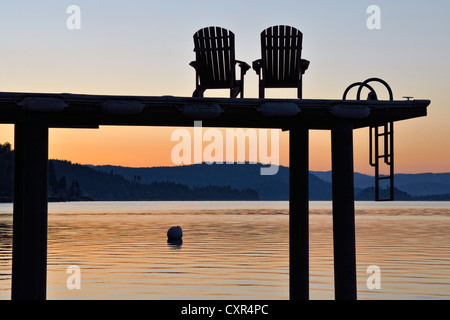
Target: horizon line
(224, 163)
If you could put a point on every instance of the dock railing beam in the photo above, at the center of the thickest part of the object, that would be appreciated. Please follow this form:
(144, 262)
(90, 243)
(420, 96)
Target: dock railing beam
(343, 210)
(29, 258)
(298, 213)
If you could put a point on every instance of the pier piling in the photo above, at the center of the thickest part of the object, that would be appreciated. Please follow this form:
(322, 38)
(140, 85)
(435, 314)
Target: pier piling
(298, 213)
(29, 258)
(343, 210)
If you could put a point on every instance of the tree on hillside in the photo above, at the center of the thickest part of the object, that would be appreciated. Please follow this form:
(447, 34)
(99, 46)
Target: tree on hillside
(62, 183)
(52, 180)
(6, 170)
(75, 190)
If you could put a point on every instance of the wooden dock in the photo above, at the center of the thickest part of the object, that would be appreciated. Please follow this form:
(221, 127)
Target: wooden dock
(34, 113)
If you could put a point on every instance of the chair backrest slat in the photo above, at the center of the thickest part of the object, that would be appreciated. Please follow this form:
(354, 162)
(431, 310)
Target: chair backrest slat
(296, 45)
(281, 53)
(213, 54)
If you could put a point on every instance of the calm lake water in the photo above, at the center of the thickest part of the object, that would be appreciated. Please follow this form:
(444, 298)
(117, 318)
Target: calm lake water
(233, 250)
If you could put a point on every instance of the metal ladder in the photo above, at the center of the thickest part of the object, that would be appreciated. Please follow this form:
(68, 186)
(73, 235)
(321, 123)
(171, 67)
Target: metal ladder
(387, 156)
(374, 136)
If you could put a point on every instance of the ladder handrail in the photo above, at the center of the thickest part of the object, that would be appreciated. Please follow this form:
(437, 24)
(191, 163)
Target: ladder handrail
(388, 134)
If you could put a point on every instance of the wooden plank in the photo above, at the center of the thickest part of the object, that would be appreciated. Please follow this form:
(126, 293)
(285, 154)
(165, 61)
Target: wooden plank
(88, 103)
(287, 52)
(275, 54)
(281, 53)
(85, 110)
(221, 38)
(268, 57)
(199, 43)
(206, 69)
(198, 53)
(213, 55)
(203, 58)
(296, 56)
(290, 80)
(227, 60)
(297, 68)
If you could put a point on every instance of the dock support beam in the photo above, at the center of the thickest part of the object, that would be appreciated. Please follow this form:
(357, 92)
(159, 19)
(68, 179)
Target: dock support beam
(29, 260)
(343, 210)
(298, 213)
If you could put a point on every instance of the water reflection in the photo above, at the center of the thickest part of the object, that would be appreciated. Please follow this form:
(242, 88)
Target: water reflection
(175, 243)
(5, 255)
(232, 254)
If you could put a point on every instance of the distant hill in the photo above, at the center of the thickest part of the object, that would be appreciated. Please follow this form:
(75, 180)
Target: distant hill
(74, 182)
(239, 176)
(111, 185)
(423, 184)
(362, 181)
(417, 187)
(6, 172)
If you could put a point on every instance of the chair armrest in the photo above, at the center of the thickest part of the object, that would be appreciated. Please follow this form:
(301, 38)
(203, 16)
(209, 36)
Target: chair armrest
(243, 65)
(305, 65)
(257, 65)
(194, 64)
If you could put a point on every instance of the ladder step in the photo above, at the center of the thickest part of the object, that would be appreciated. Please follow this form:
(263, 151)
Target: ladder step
(388, 199)
(386, 158)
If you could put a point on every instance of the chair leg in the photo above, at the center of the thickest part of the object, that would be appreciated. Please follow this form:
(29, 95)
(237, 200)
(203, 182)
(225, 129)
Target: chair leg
(261, 92)
(237, 89)
(234, 92)
(198, 93)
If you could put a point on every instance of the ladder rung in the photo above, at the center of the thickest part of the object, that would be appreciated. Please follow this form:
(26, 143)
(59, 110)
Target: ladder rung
(387, 135)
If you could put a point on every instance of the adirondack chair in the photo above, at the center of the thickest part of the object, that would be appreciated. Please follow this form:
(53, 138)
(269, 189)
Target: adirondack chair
(281, 65)
(215, 63)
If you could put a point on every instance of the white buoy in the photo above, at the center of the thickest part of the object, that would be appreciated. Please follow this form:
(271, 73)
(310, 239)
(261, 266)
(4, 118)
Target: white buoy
(175, 233)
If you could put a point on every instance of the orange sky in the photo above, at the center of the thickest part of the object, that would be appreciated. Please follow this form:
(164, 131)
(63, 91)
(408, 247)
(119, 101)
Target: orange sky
(131, 49)
(146, 147)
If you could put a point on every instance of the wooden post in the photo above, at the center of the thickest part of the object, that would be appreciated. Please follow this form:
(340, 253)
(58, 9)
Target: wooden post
(298, 214)
(343, 211)
(29, 258)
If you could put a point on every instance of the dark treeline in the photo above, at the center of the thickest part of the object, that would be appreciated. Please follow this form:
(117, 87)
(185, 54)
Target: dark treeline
(112, 186)
(6, 172)
(73, 182)
(368, 194)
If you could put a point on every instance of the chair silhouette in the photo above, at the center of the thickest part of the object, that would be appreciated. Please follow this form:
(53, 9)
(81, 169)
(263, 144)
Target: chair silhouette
(281, 63)
(215, 63)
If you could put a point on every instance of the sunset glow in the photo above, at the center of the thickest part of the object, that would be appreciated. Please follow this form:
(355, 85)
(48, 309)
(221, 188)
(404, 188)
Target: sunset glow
(135, 49)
